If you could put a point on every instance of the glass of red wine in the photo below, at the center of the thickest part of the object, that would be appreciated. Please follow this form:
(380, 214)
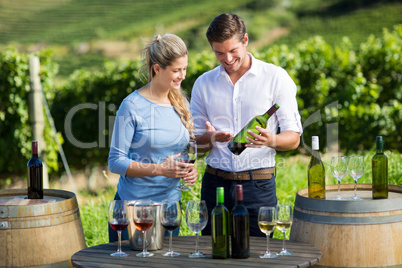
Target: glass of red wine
(144, 218)
(170, 220)
(119, 221)
(187, 155)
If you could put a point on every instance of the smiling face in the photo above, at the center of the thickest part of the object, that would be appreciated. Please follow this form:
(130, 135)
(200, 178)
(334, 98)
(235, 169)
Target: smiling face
(172, 76)
(232, 54)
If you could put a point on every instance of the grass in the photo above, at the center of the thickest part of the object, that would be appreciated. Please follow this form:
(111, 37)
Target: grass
(291, 177)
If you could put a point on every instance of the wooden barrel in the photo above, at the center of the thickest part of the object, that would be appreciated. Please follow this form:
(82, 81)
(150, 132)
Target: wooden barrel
(44, 233)
(365, 233)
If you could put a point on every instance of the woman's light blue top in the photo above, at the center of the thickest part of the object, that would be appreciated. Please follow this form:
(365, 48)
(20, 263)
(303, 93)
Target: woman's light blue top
(145, 132)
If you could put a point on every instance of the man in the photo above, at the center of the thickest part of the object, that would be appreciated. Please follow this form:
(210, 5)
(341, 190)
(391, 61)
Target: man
(223, 101)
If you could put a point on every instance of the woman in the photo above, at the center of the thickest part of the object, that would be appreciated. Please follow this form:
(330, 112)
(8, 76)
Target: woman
(152, 125)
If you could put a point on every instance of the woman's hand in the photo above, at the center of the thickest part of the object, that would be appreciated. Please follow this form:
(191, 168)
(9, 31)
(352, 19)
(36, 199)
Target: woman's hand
(173, 168)
(191, 177)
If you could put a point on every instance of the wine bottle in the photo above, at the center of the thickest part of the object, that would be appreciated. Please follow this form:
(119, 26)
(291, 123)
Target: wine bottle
(35, 177)
(240, 227)
(220, 227)
(238, 144)
(316, 173)
(379, 164)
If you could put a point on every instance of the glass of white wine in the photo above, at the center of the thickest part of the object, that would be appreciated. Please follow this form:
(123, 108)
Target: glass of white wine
(267, 223)
(284, 214)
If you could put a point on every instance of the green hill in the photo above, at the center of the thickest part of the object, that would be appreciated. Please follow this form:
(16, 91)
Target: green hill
(85, 33)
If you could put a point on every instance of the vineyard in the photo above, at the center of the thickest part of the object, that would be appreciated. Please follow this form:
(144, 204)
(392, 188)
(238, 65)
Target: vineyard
(86, 33)
(342, 83)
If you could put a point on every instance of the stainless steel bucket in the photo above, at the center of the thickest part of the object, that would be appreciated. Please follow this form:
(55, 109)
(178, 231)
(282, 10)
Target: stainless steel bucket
(154, 236)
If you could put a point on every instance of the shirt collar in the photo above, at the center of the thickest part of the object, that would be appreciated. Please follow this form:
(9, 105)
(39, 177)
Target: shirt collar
(253, 70)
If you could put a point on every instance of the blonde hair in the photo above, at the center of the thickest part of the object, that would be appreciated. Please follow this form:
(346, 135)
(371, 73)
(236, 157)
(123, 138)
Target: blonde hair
(163, 51)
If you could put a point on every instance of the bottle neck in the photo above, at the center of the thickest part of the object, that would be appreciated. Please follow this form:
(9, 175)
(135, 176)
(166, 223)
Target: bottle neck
(271, 110)
(379, 145)
(34, 149)
(239, 194)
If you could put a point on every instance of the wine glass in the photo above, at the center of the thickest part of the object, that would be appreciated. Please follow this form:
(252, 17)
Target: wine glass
(144, 217)
(196, 218)
(170, 220)
(187, 155)
(339, 168)
(267, 223)
(356, 170)
(284, 219)
(118, 220)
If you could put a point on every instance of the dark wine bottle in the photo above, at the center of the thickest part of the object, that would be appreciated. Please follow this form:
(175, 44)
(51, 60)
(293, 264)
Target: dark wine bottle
(220, 227)
(35, 177)
(379, 164)
(238, 144)
(316, 173)
(240, 227)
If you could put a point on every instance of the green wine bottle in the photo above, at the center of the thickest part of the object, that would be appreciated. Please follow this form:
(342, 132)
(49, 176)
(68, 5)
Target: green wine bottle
(220, 227)
(238, 144)
(316, 173)
(379, 164)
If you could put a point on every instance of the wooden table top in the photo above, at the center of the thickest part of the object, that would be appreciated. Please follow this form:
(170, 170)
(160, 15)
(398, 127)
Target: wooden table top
(304, 255)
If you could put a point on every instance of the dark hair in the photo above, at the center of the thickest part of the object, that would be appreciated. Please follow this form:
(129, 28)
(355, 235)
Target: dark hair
(224, 27)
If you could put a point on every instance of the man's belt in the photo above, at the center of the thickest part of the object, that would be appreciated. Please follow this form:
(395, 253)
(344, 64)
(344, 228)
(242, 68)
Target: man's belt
(259, 174)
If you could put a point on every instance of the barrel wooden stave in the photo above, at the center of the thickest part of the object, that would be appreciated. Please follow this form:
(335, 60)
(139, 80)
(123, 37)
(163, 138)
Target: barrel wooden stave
(45, 235)
(362, 243)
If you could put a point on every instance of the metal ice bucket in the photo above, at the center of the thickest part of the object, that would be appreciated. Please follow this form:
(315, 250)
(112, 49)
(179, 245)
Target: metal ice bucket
(154, 236)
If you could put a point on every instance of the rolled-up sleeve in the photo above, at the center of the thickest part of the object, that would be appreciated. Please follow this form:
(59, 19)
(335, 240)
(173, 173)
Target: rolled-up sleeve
(288, 114)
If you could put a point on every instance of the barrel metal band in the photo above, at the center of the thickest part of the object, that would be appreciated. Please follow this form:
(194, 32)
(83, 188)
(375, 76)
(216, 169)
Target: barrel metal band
(366, 206)
(39, 222)
(346, 220)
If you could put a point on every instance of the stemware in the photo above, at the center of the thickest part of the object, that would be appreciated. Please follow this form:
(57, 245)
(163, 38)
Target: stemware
(170, 220)
(196, 218)
(267, 223)
(187, 155)
(118, 220)
(144, 217)
(284, 219)
(356, 170)
(339, 168)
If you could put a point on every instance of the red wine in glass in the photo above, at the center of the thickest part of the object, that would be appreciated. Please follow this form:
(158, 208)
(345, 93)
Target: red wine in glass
(170, 216)
(187, 155)
(118, 226)
(118, 220)
(170, 226)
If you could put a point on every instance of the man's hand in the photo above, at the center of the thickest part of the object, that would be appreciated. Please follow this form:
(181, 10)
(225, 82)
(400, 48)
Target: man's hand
(288, 140)
(208, 139)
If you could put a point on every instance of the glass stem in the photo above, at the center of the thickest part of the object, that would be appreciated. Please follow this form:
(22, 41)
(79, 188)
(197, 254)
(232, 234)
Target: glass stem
(196, 243)
(144, 241)
(355, 187)
(268, 245)
(339, 188)
(119, 245)
(170, 241)
(283, 245)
